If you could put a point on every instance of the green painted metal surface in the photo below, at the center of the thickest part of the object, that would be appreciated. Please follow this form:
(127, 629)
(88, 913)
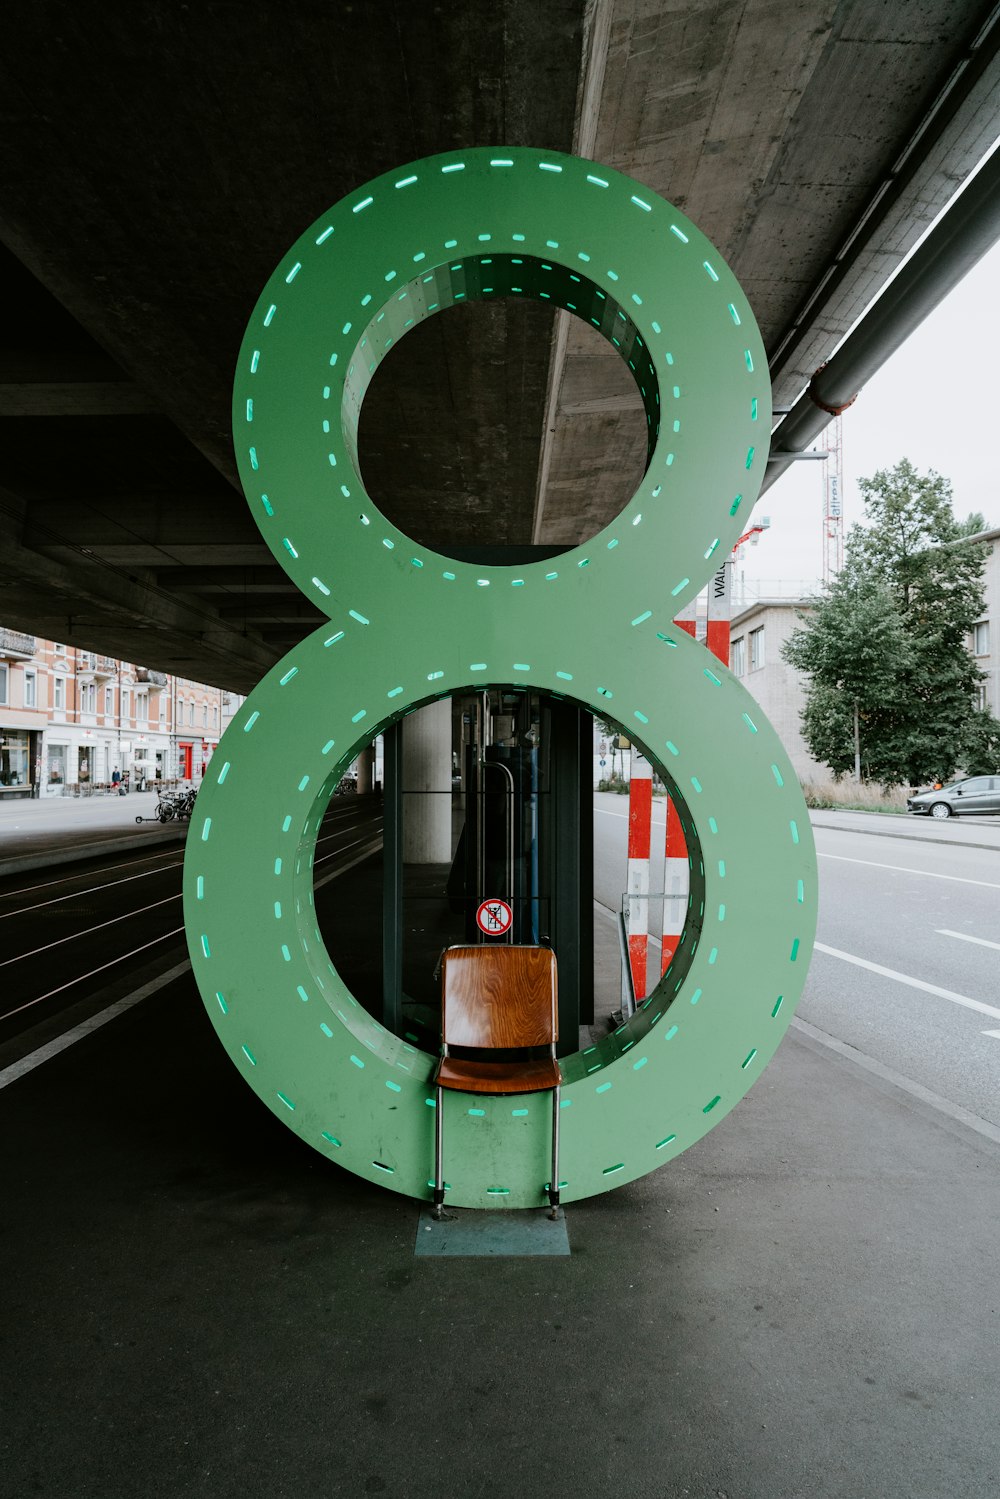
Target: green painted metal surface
(408, 625)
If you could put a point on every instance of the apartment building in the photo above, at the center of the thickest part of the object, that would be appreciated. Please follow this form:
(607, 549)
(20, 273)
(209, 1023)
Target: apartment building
(760, 629)
(757, 633)
(69, 718)
(986, 633)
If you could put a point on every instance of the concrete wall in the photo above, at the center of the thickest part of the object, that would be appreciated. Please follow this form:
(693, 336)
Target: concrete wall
(990, 662)
(777, 687)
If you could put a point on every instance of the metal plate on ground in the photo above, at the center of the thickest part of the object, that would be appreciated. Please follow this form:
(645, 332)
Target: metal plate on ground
(474, 1234)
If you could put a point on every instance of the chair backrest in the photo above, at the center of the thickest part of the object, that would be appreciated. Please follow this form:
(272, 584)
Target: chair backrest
(499, 996)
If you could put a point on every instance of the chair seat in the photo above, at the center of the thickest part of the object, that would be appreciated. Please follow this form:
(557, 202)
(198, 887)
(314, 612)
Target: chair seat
(465, 1076)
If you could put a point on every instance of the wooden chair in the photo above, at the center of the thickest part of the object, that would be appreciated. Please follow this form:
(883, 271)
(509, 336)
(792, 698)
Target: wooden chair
(498, 998)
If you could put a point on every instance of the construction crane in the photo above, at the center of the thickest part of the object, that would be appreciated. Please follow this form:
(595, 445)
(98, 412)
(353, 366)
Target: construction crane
(833, 500)
(757, 529)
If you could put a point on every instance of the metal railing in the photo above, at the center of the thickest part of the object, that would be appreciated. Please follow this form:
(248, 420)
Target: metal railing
(758, 590)
(16, 643)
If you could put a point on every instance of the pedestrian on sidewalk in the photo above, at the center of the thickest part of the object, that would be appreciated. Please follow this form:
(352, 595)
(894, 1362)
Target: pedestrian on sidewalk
(116, 779)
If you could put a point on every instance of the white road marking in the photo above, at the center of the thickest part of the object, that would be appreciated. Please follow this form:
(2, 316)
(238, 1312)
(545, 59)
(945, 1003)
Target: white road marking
(85, 1028)
(903, 869)
(904, 978)
(943, 931)
(917, 1090)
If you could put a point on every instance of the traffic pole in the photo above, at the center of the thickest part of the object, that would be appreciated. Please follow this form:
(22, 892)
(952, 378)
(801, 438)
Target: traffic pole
(675, 886)
(640, 827)
(676, 871)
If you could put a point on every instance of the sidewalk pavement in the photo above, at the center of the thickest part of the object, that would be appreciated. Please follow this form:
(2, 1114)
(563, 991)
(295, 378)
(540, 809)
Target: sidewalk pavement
(969, 832)
(62, 830)
(802, 1306)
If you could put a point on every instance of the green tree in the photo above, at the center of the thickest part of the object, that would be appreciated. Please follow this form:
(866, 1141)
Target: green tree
(886, 650)
(981, 751)
(852, 646)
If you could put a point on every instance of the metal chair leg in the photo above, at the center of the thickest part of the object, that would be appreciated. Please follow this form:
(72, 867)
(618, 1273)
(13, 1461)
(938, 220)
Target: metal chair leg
(554, 1178)
(438, 1210)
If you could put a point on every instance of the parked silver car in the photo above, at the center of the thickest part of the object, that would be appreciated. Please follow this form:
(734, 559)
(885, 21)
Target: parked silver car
(976, 794)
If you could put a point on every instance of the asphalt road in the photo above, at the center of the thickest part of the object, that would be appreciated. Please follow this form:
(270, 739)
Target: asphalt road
(907, 964)
(929, 915)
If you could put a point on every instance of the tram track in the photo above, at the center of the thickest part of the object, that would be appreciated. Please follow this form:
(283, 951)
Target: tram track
(65, 948)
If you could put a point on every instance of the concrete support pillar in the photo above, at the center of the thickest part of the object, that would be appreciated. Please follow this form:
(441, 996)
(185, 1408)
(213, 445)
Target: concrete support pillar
(366, 762)
(427, 769)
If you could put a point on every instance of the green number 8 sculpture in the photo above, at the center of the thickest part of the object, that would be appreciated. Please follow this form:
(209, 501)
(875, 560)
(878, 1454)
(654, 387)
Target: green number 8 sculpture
(408, 625)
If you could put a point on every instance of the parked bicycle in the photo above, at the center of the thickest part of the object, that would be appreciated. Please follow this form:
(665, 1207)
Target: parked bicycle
(173, 806)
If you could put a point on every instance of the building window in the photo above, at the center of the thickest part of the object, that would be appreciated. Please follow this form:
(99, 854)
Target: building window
(190, 715)
(59, 694)
(204, 715)
(981, 638)
(3, 684)
(215, 718)
(979, 697)
(14, 758)
(142, 707)
(125, 702)
(738, 657)
(59, 649)
(57, 764)
(757, 649)
(30, 690)
(88, 698)
(163, 709)
(109, 702)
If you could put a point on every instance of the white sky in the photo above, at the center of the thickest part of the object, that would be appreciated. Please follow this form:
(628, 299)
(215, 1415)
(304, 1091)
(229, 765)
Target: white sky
(934, 402)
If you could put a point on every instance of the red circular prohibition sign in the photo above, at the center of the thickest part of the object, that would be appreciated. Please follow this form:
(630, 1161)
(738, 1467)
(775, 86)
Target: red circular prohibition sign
(494, 917)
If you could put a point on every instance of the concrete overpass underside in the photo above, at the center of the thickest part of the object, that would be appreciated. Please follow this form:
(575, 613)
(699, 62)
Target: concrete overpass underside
(157, 161)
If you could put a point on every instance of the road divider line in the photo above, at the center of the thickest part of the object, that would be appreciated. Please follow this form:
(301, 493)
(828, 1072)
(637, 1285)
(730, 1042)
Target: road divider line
(929, 874)
(943, 931)
(905, 978)
(86, 1027)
